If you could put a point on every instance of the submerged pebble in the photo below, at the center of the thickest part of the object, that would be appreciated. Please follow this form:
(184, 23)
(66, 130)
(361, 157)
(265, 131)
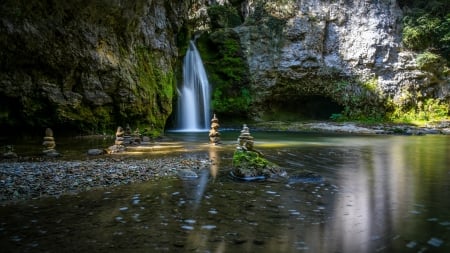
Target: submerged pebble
(209, 227)
(436, 242)
(190, 221)
(186, 227)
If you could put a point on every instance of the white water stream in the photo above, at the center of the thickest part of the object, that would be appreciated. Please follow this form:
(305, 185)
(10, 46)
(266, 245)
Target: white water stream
(194, 100)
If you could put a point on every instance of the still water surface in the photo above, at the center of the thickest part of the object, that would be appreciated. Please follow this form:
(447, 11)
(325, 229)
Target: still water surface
(380, 194)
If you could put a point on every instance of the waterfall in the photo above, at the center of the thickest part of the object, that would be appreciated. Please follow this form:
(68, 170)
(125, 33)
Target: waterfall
(194, 95)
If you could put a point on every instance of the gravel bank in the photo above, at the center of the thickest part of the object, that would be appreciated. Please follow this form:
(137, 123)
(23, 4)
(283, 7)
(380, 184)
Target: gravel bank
(27, 180)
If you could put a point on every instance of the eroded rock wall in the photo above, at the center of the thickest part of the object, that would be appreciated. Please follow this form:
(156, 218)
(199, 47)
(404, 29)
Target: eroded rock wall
(88, 65)
(334, 48)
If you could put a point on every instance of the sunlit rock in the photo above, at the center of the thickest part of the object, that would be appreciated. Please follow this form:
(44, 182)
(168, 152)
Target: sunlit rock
(119, 136)
(49, 144)
(214, 135)
(245, 140)
(119, 142)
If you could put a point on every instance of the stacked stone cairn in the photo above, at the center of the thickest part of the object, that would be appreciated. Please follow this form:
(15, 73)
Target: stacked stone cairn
(214, 135)
(249, 164)
(136, 137)
(119, 142)
(245, 140)
(127, 136)
(119, 136)
(9, 152)
(49, 144)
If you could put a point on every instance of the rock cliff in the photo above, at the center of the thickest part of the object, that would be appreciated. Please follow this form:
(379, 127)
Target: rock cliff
(88, 65)
(306, 55)
(315, 47)
(93, 65)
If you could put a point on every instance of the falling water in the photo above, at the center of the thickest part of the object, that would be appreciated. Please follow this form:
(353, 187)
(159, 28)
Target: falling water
(194, 99)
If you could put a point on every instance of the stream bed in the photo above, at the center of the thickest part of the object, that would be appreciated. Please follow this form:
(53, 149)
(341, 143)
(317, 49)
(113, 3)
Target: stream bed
(380, 193)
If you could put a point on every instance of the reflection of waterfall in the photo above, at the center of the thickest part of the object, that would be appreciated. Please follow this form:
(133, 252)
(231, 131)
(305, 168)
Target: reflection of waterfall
(194, 99)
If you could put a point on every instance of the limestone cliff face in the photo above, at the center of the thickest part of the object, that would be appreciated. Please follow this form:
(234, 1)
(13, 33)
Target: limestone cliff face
(339, 49)
(88, 65)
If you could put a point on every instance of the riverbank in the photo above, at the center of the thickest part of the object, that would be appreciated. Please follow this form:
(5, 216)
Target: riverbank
(442, 127)
(29, 180)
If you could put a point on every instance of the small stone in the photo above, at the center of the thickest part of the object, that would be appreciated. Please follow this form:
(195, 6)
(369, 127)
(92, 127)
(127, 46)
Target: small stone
(95, 152)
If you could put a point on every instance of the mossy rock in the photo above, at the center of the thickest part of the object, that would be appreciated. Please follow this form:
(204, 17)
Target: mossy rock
(251, 165)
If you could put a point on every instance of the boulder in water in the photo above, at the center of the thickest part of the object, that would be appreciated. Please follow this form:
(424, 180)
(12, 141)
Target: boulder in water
(95, 151)
(250, 165)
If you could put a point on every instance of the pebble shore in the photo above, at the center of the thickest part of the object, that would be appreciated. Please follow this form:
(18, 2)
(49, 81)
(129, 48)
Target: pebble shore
(28, 179)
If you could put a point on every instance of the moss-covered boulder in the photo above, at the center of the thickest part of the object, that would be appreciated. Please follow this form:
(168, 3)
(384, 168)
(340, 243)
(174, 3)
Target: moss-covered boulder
(250, 165)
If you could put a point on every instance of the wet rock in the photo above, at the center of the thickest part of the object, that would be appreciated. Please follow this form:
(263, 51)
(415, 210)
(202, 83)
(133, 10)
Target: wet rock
(258, 241)
(187, 173)
(95, 152)
(145, 140)
(305, 177)
(9, 155)
(9, 152)
(249, 164)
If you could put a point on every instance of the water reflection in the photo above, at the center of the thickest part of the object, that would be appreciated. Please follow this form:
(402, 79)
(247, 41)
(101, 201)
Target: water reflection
(215, 161)
(382, 194)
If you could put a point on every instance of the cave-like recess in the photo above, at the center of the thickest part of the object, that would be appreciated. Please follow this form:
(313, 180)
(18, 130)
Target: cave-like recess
(311, 107)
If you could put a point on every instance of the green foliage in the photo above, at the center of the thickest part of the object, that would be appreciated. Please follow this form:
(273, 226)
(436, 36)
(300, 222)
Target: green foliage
(429, 61)
(337, 117)
(250, 159)
(426, 26)
(156, 86)
(229, 104)
(422, 32)
(223, 16)
(227, 72)
(361, 100)
(428, 110)
(371, 85)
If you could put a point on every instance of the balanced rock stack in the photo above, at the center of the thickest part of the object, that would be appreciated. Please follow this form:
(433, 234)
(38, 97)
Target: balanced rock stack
(127, 136)
(214, 135)
(119, 136)
(49, 143)
(119, 142)
(245, 140)
(9, 152)
(136, 137)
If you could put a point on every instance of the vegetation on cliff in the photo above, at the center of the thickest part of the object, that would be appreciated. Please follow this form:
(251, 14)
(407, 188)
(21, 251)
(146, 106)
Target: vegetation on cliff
(426, 30)
(225, 63)
(427, 26)
(86, 66)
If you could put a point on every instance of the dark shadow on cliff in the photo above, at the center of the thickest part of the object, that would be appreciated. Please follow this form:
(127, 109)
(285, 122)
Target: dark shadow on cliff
(312, 107)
